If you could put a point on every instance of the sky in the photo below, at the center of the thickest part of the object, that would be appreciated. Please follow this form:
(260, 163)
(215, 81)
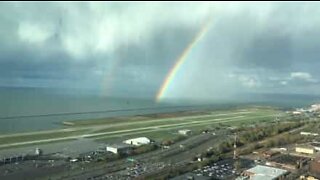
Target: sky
(128, 48)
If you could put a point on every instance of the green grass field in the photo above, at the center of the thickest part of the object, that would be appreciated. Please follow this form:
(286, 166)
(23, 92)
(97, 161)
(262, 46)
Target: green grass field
(214, 118)
(141, 118)
(156, 128)
(207, 123)
(40, 136)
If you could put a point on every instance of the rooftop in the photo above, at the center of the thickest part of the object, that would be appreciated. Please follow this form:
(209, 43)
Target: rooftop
(191, 176)
(120, 145)
(140, 139)
(305, 146)
(288, 159)
(265, 172)
(184, 130)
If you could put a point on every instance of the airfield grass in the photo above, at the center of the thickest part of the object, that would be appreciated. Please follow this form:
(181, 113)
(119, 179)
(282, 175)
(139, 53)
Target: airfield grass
(43, 136)
(126, 119)
(151, 124)
(161, 134)
(217, 118)
(36, 143)
(171, 126)
(90, 122)
(157, 134)
(35, 137)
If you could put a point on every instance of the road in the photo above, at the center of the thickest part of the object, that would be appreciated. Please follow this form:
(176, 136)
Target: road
(115, 167)
(146, 126)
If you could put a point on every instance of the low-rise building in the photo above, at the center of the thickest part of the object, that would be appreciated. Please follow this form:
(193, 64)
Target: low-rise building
(315, 108)
(296, 112)
(315, 167)
(260, 172)
(191, 176)
(305, 150)
(185, 131)
(308, 178)
(38, 152)
(270, 153)
(138, 141)
(119, 148)
(309, 134)
(315, 145)
(242, 178)
(287, 161)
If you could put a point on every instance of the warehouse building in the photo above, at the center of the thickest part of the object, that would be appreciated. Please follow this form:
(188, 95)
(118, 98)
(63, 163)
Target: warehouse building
(305, 150)
(287, 161)
(260, 172)
(138, 141)
(119, 148)
(309, 134)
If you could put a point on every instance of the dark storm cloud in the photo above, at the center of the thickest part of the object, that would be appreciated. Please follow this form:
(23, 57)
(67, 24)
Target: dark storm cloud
(146, 64)
(268, 51)
(24, 68)
(131, 47)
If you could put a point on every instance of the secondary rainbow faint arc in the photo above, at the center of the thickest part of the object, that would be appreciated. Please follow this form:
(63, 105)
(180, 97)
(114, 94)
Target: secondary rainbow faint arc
(181, 59)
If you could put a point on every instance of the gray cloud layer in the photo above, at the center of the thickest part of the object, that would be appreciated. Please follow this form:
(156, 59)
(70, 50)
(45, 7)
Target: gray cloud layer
(127, 49)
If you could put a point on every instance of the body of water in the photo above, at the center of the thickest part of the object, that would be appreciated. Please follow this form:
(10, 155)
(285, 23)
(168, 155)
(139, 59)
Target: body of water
(28, 109)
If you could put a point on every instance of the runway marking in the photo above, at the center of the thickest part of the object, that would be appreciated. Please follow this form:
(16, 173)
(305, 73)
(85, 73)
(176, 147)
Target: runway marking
(137, 130)
(88, 127)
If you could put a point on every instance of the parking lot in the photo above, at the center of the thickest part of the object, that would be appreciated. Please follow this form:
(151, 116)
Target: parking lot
(219, 170)
(224, 169)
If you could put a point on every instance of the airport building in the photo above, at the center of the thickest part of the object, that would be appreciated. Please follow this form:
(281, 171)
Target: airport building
(38, 152)
(296, 112)
(119, 148)
(138, 141)
(185, 131)
(265, 172)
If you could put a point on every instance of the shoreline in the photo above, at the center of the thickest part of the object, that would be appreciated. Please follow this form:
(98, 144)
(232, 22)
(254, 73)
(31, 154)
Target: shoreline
(158, 122)
(34, 123)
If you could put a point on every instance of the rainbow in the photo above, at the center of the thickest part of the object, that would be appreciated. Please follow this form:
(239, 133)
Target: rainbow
(181, 59)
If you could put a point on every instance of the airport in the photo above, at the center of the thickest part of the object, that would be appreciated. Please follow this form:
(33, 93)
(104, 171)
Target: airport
(150, 144)
(159, 91)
